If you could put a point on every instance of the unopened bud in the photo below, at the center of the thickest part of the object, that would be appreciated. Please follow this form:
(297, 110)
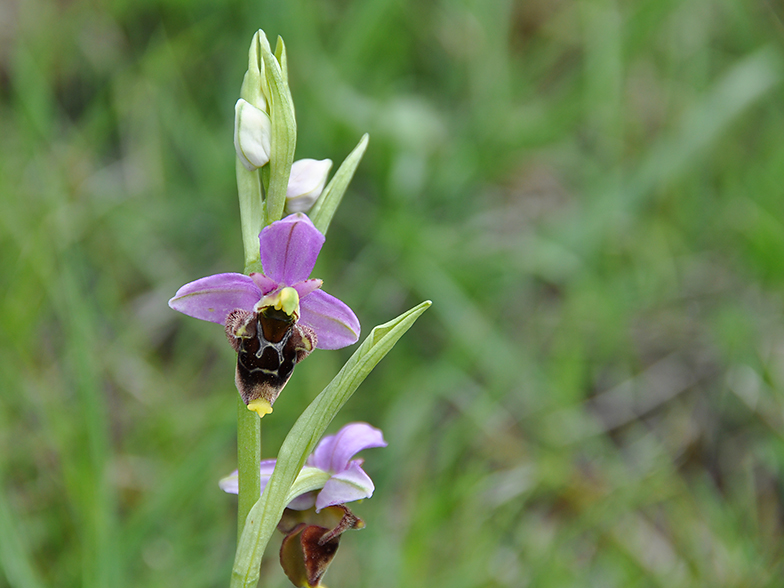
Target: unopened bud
(306, 182)
(252, 131)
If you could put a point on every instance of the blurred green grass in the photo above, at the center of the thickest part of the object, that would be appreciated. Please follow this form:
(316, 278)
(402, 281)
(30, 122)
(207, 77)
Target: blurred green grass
(591, 194)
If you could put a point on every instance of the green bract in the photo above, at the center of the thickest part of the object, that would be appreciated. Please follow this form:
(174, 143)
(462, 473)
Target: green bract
(322, 212)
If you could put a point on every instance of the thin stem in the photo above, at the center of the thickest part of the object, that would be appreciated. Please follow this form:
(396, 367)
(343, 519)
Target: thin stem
(251, 212)
(251, 192)
(248, 458)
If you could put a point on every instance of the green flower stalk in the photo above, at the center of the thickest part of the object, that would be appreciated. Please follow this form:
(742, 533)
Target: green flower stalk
(254, 213)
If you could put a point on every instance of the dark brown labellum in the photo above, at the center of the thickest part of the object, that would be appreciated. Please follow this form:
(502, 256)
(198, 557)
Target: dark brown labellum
(311, 541)
(304, 559)
(269, 344)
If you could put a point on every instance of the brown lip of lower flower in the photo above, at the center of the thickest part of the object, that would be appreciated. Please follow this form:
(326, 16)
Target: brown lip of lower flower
(308, 548)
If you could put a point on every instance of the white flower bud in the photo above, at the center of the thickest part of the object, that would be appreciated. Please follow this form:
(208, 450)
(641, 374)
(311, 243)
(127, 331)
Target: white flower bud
(306, 182)
(252, 130)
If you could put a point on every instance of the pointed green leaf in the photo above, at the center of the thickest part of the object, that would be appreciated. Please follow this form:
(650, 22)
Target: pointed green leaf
(325, 207)
(254, 84)
(280, 55)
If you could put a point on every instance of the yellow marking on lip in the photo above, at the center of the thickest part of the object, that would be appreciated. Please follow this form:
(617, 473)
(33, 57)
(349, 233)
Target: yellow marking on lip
(260, 406)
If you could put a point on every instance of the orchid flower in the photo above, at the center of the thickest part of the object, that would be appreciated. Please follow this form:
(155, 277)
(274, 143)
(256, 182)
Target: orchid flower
(347, 480)
(273, 319)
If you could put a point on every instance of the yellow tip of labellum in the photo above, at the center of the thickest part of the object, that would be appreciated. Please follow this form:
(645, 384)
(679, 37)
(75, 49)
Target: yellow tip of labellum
(260, 406)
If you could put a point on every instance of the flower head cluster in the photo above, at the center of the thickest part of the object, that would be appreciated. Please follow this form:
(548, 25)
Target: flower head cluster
(333, 455)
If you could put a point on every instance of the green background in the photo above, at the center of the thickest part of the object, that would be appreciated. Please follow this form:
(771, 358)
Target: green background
(591, 193)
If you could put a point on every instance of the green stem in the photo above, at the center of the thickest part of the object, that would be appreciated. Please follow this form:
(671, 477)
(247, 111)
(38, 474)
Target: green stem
(251, 213)
(248, 458)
